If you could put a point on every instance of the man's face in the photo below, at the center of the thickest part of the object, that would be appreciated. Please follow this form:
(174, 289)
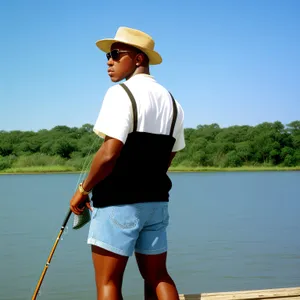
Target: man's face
(121, 61)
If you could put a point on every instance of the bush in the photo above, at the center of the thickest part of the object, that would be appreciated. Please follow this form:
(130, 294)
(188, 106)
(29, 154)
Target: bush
(231, 159)
(289, 161)
(78, 162)
(38, 159)
(4, 163)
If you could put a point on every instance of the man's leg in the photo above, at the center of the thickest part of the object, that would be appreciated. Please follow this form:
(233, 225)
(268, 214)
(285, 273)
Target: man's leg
(109, 269)
(158, 283)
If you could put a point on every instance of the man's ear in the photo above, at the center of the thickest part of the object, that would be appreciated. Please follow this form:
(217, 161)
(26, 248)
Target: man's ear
(139, 59)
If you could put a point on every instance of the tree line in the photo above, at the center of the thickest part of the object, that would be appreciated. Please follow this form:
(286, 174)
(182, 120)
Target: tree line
(266, 144)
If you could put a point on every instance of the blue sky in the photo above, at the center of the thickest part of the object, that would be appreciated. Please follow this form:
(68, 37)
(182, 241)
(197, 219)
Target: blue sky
(226, 62)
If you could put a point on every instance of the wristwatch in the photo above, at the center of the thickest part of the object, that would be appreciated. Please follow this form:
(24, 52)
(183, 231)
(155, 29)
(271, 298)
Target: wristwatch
(82, 190)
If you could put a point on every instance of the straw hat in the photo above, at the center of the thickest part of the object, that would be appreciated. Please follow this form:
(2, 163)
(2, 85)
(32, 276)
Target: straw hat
(133, 37)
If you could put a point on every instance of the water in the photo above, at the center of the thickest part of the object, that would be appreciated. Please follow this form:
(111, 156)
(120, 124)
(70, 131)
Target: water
(228, 231)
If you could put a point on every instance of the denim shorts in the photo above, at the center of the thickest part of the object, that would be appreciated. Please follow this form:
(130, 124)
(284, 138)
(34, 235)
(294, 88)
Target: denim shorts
(123, 229)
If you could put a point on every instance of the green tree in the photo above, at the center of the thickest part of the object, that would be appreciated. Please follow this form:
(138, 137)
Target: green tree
(64, 147)
(206, 145)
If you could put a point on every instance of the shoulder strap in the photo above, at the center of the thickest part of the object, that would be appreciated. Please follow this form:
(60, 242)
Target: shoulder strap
(174, 115)
(133, 102)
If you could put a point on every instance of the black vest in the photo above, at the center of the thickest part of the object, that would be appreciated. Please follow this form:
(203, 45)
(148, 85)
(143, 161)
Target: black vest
(140, 173)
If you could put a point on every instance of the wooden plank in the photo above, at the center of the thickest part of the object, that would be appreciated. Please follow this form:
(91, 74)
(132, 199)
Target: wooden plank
(279, 293)
(198, 297)
(291, 298)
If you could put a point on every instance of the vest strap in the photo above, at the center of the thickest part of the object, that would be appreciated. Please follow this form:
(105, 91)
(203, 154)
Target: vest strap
(174, 115)
(133, 103)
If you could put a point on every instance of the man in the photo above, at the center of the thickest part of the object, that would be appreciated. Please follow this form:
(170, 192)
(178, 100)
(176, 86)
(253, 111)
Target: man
(142, 127)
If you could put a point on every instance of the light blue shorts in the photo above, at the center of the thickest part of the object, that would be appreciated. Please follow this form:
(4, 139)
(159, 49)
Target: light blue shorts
(123, 229)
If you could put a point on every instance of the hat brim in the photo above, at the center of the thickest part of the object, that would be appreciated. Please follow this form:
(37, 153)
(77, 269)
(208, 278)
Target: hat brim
(105, 46)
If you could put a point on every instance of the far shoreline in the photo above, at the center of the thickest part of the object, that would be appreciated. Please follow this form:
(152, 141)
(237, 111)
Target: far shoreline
(68, 170)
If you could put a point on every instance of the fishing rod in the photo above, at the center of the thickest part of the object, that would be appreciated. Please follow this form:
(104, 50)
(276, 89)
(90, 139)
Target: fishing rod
(35, 294)
(79, 221)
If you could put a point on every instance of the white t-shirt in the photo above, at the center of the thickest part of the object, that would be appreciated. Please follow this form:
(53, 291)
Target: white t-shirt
(154, 110)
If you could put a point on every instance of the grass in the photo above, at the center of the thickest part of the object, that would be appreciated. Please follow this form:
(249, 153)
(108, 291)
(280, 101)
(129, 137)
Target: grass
(39, 169)
(70, 169)
(237, 169)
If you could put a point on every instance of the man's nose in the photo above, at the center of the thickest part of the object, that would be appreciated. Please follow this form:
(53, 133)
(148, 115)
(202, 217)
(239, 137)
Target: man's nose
(110, 62)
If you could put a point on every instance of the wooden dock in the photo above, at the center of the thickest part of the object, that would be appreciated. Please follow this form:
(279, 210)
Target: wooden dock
(276, 294)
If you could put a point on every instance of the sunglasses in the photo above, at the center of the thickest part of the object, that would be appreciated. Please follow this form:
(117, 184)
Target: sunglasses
(115, 54)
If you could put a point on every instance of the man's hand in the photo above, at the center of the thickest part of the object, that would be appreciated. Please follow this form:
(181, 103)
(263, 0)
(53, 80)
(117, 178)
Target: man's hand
(78, 203)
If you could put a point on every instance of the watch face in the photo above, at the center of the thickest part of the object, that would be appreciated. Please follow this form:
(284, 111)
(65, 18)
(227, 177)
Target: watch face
(82, 190)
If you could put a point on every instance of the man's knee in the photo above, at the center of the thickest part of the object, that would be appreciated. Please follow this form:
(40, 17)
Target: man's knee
(153, 278)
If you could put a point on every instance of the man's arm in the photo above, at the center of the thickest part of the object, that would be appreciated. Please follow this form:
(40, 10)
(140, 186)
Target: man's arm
(103, 162)
(102, 165)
